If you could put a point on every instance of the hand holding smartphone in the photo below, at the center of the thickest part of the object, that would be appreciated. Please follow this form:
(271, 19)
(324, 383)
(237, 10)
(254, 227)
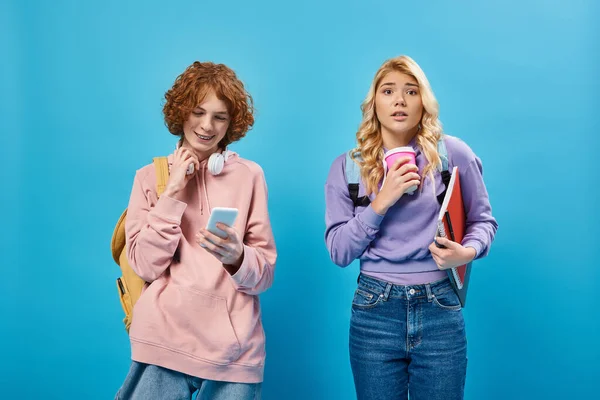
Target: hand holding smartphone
(223, 215)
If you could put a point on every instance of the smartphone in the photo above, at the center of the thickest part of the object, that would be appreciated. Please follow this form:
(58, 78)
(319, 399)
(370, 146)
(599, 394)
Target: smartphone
(223, 215)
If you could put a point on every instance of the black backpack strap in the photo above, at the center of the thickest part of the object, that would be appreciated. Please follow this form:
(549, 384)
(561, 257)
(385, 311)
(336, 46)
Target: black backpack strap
(445, 168)
(352, 178)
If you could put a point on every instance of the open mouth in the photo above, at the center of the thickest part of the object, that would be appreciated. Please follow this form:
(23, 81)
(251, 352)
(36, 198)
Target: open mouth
(399, 116)
(205, 138)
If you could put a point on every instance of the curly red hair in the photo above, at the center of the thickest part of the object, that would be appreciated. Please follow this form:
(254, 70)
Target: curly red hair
(190, 89)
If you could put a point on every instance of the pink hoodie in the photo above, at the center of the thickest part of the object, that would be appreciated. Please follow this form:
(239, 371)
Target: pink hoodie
(193, 317)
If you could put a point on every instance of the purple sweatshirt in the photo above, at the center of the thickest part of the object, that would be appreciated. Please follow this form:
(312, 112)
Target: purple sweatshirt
(394, 247)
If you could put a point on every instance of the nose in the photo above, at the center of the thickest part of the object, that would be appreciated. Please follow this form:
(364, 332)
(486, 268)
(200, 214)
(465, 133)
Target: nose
(399, 100)
(206, 124)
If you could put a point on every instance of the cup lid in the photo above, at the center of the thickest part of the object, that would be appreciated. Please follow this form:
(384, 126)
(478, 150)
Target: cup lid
(403, 149)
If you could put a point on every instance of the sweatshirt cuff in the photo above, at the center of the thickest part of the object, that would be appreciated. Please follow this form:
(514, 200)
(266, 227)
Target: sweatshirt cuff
(370, 217)
(169, 209)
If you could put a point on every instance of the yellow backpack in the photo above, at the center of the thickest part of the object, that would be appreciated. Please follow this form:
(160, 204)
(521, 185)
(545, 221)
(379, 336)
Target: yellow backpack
(129, 284)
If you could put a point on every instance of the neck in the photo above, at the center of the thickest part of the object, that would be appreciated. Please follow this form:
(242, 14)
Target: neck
(202, 155)
(398, 139)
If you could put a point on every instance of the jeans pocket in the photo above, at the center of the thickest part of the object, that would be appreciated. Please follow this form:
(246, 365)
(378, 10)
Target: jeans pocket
(447, 300)
(365, 298)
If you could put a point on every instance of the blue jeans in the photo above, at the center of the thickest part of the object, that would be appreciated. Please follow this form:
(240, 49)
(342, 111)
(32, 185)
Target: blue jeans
(407, 339)
(149, 382)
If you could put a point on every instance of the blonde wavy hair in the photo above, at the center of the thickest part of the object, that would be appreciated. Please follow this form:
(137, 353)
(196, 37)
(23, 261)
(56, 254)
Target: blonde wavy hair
(368, 137)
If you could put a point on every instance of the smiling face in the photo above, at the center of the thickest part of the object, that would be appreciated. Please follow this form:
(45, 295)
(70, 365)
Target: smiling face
(399, 108)
(206, 125)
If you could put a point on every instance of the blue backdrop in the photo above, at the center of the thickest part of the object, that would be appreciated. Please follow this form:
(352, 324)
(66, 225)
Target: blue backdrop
(82, 85)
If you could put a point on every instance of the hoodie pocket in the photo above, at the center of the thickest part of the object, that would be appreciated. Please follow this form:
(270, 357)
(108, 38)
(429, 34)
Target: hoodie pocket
(202, 326)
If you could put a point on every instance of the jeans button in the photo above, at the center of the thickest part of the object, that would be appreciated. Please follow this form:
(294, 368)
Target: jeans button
(411, 291)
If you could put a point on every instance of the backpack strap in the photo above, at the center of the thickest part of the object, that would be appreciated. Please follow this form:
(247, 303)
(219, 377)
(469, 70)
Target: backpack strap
(352, 179)
(443, 153)
(161, 167)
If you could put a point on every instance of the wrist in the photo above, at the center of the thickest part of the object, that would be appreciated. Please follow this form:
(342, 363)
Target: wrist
(471, 253)
(378, 206)
(233, 268)
(171, 192)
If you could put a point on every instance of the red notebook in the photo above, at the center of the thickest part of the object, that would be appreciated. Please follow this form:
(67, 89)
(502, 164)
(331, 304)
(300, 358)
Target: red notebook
(452, 225)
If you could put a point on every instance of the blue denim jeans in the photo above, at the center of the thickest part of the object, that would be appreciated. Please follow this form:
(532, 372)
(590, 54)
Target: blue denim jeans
(150, 382)
(407, 339)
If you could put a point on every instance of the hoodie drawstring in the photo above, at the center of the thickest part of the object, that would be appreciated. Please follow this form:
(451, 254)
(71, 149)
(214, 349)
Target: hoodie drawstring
(200, 191)
(205, 190)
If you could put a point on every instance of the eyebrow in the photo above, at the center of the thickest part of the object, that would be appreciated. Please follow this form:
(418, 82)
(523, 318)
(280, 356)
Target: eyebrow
(217, 112)
(393, 84)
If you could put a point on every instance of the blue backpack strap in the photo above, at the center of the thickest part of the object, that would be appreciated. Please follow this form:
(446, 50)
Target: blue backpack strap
(443, 153)
(445, 172)
(352, 170)
(352, 179)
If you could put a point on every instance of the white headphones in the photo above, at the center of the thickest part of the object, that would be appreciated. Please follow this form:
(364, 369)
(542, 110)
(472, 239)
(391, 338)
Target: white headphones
(216, 162)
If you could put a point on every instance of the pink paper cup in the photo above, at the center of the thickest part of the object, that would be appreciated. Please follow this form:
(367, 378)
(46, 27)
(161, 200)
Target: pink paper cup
(394, 154)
